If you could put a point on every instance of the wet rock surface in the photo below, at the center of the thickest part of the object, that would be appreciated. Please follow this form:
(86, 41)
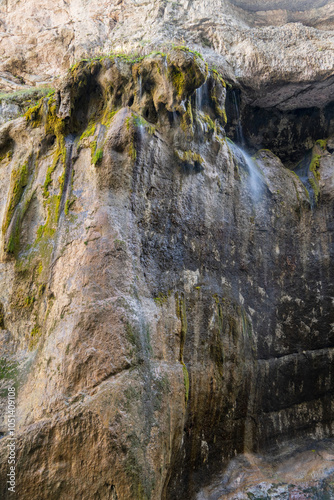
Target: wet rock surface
(166, 294)
(167, 299)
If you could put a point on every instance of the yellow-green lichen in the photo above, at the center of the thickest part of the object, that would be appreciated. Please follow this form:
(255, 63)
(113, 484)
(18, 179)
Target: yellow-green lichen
(34, 336)
(34, 115)
(187, 49)
(187, 120)
(161, 299)
(190, 159)
(55, 125)
(108, 117)
(322, 143)
(97, 157)
(90, 130)
(7, 156)
(314, 178)
(186, 382)
(182, 315)
(314, 165)
(210, 123)
(132, 151)
(68, 204)
(60, 154)
(218, 77)
(19, 181)
(178, 80)
(97, 153)
(29, 301)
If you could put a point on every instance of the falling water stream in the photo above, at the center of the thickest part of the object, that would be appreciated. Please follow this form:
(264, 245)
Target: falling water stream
(201, 96)
(243, 158)
(302, 169)
(239, 131)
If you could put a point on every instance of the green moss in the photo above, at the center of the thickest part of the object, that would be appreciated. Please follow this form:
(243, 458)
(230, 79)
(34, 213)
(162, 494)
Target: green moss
(315, 187)
(34, 115)
(210, 123)
(132, 151)
(181, 312)
(186, 382)
(161, 299)
(97, 157)
(19, 181)
(90, 130)
(178, 80)
(24, 94)
(190, 159)
(29, 301)
(55, 125)
(53, 211)
(97, 153)
(217, 76)
(187, 120)
(156, 53)
(47, 182)
(315, 165)
(34, 336)
(186, 49)
(221, 112)
(322, 143)
(67, 207)
(130, 58)
(314, 178)
(7, 156)
(93, 145)
(108, 117)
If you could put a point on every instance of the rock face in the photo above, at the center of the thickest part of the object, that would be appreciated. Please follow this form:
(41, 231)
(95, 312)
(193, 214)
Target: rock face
(297, 5)
(166, 301)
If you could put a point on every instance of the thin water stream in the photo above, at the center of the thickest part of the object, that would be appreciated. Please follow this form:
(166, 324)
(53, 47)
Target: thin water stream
(243, 158)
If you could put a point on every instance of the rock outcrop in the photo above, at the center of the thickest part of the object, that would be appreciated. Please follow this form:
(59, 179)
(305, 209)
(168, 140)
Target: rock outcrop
(166, 300)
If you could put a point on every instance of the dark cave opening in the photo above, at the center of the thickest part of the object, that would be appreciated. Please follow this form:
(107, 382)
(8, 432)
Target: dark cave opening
(290, 135)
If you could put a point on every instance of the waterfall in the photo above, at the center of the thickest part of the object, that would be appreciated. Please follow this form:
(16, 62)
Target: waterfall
(140, 86)
(249, 164)
(201, 96)
(302, 169)
(239, 131)
(241, 156)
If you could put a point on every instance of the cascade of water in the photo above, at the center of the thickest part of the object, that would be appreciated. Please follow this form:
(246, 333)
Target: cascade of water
(239, 131)
(199, 98)
(249, 164)
(302, 169)
(201, 95)
(140, 86)
(242, 157)
(141, 132)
